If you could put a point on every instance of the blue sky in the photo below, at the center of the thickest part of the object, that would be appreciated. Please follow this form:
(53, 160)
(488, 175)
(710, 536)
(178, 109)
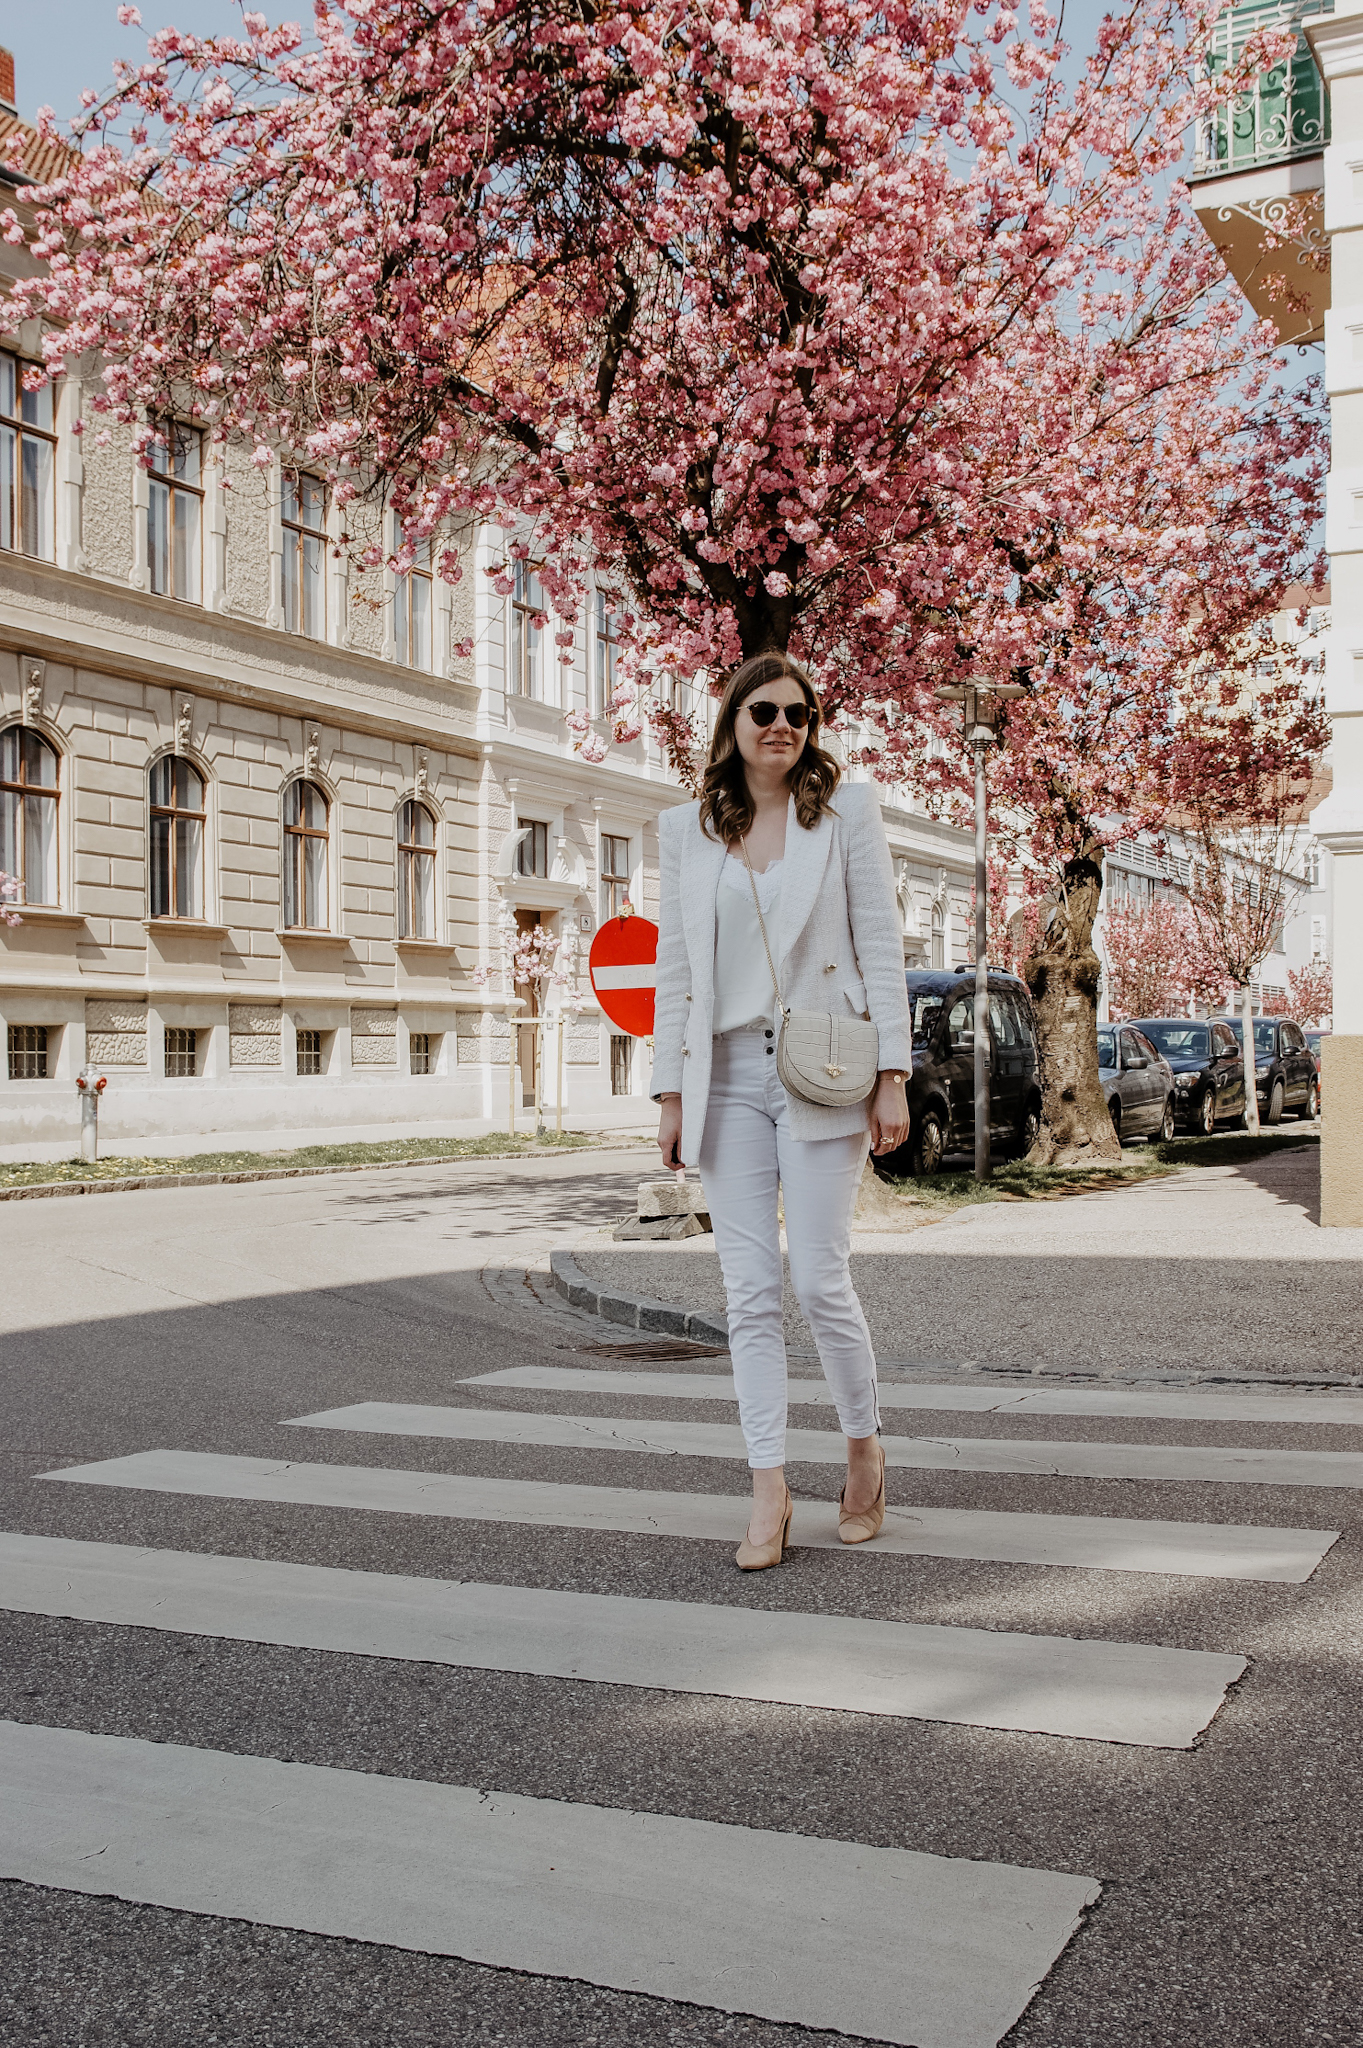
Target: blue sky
(61, 46)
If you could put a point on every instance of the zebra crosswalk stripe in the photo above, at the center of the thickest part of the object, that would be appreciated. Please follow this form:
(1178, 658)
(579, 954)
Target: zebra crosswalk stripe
(1051, 1459)
(1145, 1404)
(642, 1902)
(982, 1678)
(1095, 1542)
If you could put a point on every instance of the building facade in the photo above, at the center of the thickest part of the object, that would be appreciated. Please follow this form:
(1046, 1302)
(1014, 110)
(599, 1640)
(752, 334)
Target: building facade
(1278, 184)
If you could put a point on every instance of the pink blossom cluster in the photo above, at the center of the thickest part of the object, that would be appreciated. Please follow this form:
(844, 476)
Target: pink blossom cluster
(847, 326)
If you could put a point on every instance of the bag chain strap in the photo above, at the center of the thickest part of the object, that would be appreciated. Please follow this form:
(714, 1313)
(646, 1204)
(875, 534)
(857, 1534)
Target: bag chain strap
(771, 965)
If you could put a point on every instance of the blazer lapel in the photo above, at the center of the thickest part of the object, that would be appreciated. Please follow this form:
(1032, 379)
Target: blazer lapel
(702, 860)
(802, 872)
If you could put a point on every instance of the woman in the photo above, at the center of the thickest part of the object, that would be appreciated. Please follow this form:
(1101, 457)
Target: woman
(820, 874)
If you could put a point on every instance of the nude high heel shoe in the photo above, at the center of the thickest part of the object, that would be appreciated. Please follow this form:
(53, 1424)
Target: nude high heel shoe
(861, 1528)
(755, 1557)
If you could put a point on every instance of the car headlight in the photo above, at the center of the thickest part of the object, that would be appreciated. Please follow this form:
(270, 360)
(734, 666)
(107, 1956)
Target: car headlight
(1184, 1080)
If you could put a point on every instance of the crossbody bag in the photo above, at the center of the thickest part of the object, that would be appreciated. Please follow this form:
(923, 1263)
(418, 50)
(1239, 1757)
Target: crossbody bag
(819, 1057)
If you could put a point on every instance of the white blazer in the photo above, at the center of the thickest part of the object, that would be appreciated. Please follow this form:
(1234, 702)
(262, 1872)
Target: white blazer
(839, 947)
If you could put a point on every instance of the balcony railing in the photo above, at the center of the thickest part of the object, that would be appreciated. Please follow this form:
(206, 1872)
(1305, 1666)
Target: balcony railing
(1284, 115)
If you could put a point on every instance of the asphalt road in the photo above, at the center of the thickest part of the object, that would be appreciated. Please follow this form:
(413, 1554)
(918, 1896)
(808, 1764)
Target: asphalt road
(202, 1320)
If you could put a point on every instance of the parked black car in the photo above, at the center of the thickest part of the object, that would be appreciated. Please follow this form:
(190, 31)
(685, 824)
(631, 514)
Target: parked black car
(1137, 1081)
(1207, 1065)
(942, 1090)
(1284, 1068)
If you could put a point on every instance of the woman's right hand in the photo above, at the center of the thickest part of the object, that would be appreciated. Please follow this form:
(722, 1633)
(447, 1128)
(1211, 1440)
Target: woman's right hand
(669, 1133)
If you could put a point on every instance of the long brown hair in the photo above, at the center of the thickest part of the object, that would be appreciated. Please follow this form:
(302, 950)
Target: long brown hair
(726, 808)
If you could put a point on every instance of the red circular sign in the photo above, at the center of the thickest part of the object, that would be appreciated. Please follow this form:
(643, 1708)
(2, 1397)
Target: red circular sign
(621, 964)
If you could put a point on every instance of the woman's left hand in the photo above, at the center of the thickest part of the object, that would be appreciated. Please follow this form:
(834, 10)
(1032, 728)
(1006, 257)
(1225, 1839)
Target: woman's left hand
(890, 1113)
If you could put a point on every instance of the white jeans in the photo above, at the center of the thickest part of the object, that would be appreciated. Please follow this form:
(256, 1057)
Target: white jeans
(746, 1152)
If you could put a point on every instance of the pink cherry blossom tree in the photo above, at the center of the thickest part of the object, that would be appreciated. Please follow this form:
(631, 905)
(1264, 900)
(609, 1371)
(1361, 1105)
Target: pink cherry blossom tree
(843, 326)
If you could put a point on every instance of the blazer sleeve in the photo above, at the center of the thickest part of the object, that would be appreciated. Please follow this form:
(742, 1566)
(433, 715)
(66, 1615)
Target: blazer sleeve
(873, 911)
(673, 969)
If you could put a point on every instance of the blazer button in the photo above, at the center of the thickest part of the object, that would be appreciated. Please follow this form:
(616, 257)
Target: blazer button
(832, 967)
(688, 999)
(686, 1052)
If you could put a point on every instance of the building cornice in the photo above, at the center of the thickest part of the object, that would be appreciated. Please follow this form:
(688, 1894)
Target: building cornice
(92, 623)
(1336, 43)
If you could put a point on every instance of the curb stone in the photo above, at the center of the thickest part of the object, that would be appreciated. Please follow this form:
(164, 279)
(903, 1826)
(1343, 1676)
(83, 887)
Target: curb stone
(122, 1186)
(633, 1311)
(665, 1319)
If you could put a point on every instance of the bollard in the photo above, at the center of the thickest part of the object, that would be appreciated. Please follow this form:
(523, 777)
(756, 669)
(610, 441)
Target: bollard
(92, 1085)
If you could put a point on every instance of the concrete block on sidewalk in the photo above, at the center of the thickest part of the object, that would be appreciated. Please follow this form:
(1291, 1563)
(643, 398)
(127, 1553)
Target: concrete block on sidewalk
(651, 1227)
(670, 1197)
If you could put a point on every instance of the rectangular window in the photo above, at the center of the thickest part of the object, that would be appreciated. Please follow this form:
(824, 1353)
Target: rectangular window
(614, 874)
(413, 611)
(532, 855)
(309, 1052)
(305, 550)
(28, 445)
(604, 651)
(420, 1046)
(28, 1052)
(528, 609)
(29, 790)
(622, 1054)
(175, 512)
(182, 1048)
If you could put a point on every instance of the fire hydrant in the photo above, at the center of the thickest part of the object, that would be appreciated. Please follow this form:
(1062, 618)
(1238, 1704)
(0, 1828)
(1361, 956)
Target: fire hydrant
(92, 1085)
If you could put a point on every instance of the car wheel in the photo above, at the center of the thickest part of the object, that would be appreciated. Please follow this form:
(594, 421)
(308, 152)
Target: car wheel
(930, 1143)
(1114, 1110)
(1029, 1130)
(1275, 1104)
(1166, 1128)
(1310, 1109)
(1206, 1113)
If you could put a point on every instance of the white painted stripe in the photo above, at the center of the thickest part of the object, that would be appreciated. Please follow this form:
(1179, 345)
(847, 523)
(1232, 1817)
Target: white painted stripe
(887, 1943)
(643, 974)
(1042, 1459)
(1097, 1542)
(1171, 1404)
(980, 1678)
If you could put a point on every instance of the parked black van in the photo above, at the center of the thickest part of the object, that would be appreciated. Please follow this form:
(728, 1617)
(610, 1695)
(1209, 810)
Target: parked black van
(942, 1092)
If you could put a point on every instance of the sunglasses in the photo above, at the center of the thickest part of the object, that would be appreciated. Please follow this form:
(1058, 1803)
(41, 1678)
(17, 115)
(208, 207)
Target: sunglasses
(764, 712)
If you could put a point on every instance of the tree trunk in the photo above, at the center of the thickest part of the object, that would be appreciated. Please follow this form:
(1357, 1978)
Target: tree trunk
(1062, 975)
(1251, 1064)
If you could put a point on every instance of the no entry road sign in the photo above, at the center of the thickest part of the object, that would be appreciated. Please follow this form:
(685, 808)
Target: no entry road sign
(621, 964)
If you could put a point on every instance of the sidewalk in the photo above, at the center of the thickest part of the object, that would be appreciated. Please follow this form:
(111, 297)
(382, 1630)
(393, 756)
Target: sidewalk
(1217, 1269)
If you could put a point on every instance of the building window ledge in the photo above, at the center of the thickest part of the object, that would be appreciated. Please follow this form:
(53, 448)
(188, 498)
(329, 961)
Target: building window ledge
(191, 927)
(43, 914)
(424, 946)
(297, 935)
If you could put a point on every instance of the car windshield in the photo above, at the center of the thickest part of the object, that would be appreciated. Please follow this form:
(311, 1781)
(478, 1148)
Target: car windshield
(1180, 1041)
(927, 1014)
(1263, 1035)
(1107, 1048)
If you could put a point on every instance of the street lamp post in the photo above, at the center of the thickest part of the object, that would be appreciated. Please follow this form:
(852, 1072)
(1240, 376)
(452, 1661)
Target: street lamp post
(979, 715)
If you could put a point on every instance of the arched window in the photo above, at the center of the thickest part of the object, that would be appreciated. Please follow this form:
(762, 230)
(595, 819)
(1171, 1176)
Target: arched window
(305, 857)
(939, 936)
(177, 839)
(416, 872)
(29, 786)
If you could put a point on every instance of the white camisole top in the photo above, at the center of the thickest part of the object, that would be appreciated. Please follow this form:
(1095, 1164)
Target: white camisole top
(743, 986)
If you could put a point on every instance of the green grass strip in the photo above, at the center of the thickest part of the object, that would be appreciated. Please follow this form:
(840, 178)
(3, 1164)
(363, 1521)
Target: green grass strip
(125, 1167)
